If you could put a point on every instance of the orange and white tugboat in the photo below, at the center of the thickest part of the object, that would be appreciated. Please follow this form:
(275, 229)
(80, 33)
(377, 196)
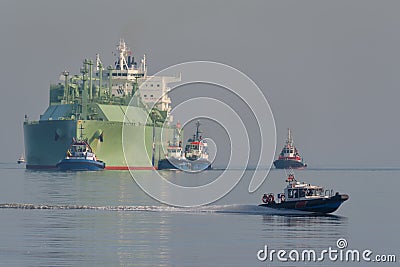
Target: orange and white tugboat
(304, 197)
(289, 158)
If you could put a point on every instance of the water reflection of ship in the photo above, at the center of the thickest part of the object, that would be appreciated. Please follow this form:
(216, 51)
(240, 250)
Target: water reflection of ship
(300, 227)
(302, 220)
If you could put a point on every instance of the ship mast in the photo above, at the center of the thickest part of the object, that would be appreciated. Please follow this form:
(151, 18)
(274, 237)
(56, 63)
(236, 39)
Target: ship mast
(289, 141)
(122, 64)
(176, 138)
(197, 131)
(81, 128)
(125, 61)
(99, 68)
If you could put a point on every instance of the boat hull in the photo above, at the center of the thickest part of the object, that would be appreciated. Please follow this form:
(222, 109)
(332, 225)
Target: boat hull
(46, 142)
(184, 164)
(200, 164)
(289, 164)
(80, 165)
(321, 205)
(174, 164)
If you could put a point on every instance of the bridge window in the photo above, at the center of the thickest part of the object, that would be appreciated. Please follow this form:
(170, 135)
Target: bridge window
(293, 193)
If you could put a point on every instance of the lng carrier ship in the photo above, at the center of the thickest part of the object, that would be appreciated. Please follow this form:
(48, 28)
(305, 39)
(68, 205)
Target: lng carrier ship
(97, 100)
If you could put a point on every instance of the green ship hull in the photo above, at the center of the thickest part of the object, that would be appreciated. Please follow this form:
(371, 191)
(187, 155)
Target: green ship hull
(46, 141)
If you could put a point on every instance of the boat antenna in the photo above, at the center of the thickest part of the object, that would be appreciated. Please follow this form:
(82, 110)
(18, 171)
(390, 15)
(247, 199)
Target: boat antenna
(197, 130)
(289, 140)
(81, 128)
(153, 145)
(175, 140)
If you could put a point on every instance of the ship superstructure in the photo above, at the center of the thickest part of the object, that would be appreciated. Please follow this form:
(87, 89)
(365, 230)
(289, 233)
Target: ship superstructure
(98, 98)
(127, 72)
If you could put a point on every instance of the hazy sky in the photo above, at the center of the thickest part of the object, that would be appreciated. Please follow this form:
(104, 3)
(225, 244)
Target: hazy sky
(330, 70)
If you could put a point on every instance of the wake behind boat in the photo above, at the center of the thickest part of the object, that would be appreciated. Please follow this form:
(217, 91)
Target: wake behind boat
(304, 197)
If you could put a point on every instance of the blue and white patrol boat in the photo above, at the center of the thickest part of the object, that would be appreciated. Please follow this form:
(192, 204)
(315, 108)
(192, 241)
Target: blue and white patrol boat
(304, 197)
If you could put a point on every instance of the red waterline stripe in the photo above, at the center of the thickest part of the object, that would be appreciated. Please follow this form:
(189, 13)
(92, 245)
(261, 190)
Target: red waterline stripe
(125, 168)
(111, 168)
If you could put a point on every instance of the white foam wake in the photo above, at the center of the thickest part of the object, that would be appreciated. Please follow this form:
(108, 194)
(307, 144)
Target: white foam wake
(236, 208)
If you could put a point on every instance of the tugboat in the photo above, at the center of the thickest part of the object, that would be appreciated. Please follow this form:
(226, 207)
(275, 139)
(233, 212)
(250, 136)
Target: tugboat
(196, 151)
(174, 159)
(80, 157)
(21, 159)
(289, 158)
(304, 197)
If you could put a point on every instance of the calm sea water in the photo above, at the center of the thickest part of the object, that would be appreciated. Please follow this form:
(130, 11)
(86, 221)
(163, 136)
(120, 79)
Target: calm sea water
(105, 219)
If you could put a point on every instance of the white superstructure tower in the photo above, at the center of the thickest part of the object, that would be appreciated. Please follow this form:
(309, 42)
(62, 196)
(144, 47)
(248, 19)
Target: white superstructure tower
(128, 75)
